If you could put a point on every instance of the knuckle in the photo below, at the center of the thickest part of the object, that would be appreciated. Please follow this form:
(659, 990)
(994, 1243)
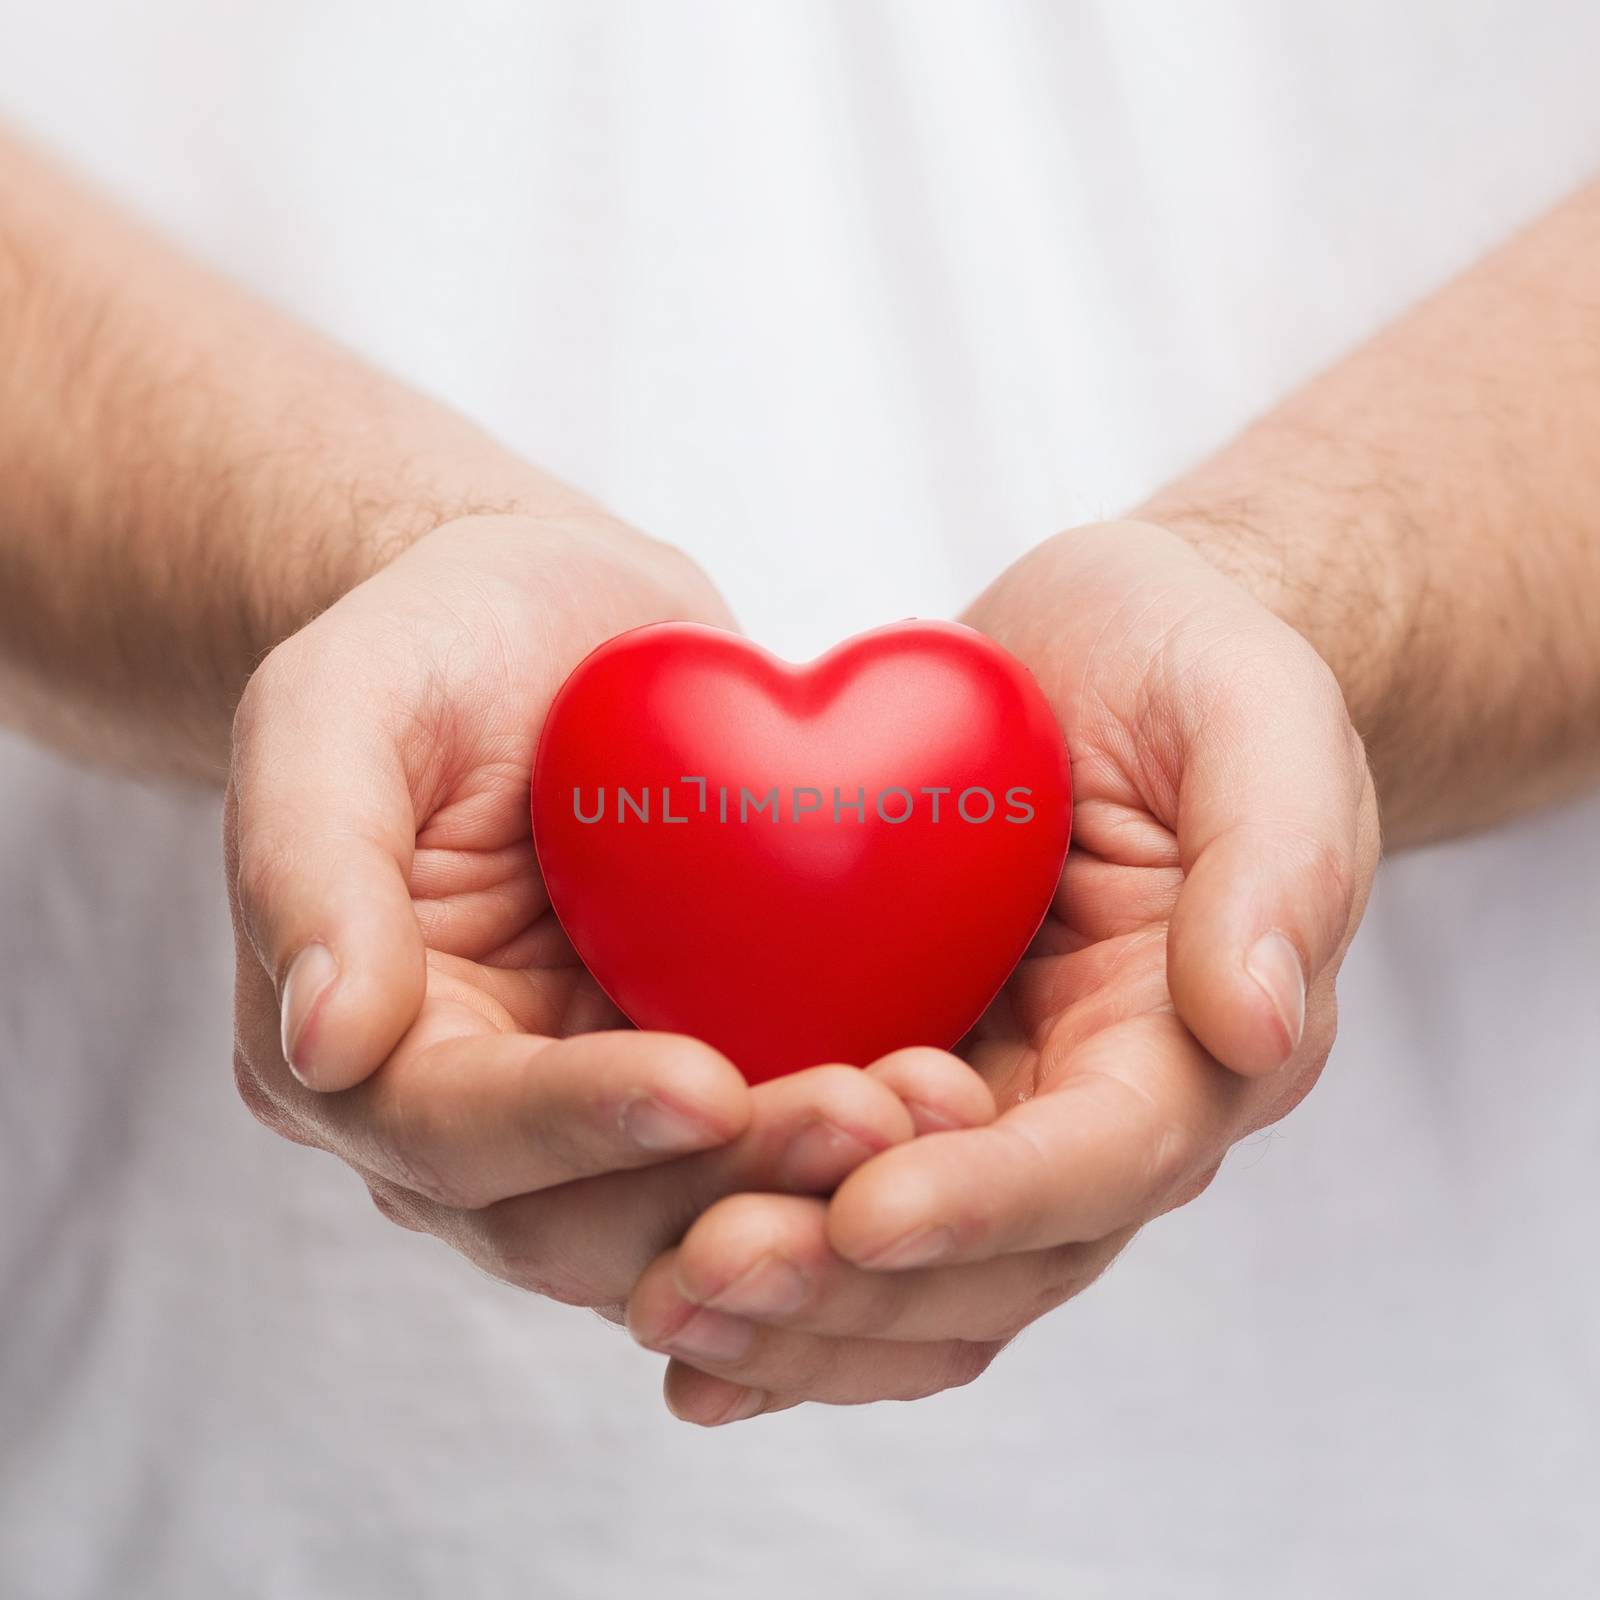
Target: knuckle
(970, 1360)
(1292, 1090)
(1068, 1270)
(1005, 1323)
(417, 1171)
(804, 1366)
(393, 1207)
(259, 873)
(1322, 686)
(514, 1248)
(1194, 1188)
(1166, 1155)
(247, 714)
(995, 1321)
(575, 1143)
(846, 1317)
(1162, 1147)
(1322, 1032)
(1058, 1275)
(879, 1319)
(974, 1360)
(1332, 870)
(258, 1099)
(1027, 1155)
(494, 1248)
(886, 1303)
(264, 689)
(959, 1363)
(412, 1141)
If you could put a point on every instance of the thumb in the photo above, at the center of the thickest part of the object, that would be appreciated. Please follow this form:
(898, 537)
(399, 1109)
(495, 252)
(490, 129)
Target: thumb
(320, 831)
(1278, 837)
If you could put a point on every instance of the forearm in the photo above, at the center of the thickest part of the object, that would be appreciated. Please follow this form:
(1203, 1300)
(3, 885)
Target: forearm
(186, 476)
(1428, 514)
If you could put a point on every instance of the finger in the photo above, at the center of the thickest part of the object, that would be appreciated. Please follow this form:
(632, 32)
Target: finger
(939, 1090)
(1237, 728)
(463, 1000)
(695, 1396)
(1269, 816)
(321, 828)
(468, 1121)
(801, 1366)
(766, 1258)
(587, 1242)
(1138, 1115)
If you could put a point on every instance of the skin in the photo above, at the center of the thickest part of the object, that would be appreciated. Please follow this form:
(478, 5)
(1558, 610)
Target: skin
(230, 551)
(447, 1044)
(186, 478)
(1426, 515)
(1222, 796)
(197, 495)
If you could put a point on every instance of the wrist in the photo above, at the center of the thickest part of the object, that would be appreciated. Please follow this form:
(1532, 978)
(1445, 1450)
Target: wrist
(187, 477)
(333, 500)
(614, 575)
(1346, 582)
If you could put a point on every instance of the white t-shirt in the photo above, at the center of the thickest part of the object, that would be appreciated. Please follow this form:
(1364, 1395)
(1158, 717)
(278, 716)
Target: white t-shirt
(856, 302)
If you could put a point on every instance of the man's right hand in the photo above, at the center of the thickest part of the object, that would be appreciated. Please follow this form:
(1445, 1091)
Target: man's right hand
(406, 999)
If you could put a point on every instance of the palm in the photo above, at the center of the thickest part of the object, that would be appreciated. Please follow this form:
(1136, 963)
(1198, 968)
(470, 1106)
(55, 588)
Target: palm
(1178, 994)
(1090, 1006)
(1144, 659)
(484, 648)
(442, 668)
(498, 960)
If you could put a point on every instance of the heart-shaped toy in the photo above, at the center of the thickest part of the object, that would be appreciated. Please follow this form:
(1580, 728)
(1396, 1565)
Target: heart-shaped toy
(801, 864)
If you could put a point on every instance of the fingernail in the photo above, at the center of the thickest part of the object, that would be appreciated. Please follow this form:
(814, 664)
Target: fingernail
(771, 1288)
(1274, 963)
(310, 976)
(711, 1336)
(653, 1125)
(819, 1156)
(919, 1248)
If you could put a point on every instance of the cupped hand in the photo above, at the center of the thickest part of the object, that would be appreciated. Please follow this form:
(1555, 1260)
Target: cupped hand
(1179, 996)
(405, 997)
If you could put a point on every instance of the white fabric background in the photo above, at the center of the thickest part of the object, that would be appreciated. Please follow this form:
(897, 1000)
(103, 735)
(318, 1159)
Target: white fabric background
(855, 301)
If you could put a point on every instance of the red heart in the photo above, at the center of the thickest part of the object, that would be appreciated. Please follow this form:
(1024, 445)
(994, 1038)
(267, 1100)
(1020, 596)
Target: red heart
(811, 925)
